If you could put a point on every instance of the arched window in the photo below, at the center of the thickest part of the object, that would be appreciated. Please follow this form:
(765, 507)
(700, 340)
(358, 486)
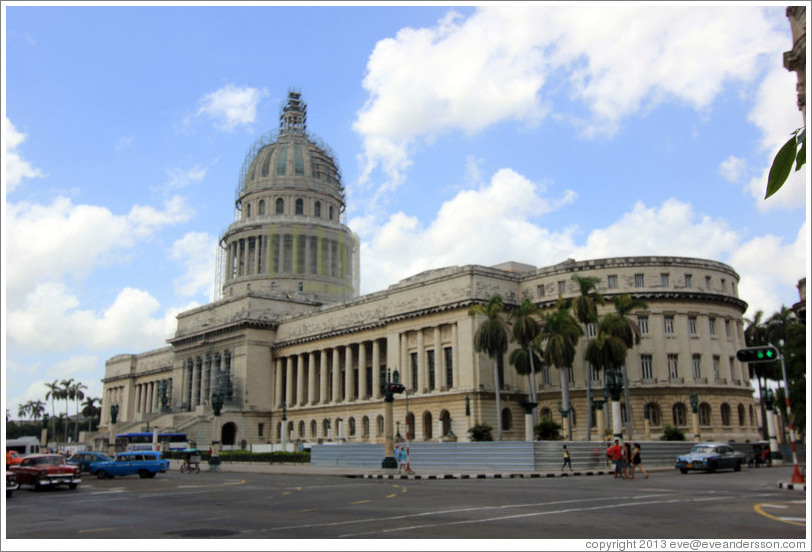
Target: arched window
(228, 434)
(301, 430)
(325, 428)
(261, 206)
(299, 206)
(545, 413)
(280, 206)
(426, 425)
(331, 212)
(290, 428)
(279, 431)
(314, 428)
(365, 426)
(380, 425)
(410, 426)
(741, 414)
(704, 414)
(317, 209)
(654, 414)
(352, 426)
(573, 419)
(248, 210)
(752, 423)
(725, 410)
(678, 411)
(445, 420)
(507, 419)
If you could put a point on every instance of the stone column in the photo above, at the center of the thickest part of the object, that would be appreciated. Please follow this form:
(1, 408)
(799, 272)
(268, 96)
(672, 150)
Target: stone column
(455, 355)
(138, 398)
(363, 392)
(300, 376)
(405, 367)
(376, 369)
(311, 378)
(422, 376)
(336, 375)
(289, 398)
(323, 398)
(439, 361)
(278, 391)
(349, 375)
(205, 386)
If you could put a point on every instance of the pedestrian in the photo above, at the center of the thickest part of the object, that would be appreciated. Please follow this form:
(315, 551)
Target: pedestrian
(567, 459)
(400, 454)
(608, 454)
(637, 462)
(627, 460)
(616, 454)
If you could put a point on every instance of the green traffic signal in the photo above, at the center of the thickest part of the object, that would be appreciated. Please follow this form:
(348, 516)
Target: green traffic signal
(757, 354)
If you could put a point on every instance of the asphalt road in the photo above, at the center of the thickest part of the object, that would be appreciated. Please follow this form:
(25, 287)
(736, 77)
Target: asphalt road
(211, 505)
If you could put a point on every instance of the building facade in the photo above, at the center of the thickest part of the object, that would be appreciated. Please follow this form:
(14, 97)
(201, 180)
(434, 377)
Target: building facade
(289, 346)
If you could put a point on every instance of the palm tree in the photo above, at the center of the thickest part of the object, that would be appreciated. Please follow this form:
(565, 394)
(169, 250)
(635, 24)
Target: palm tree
(525, 330)
(36, 409)
(607, 352)
(90, 410)
(53, 393)
(66, 393)
(560, 331)
(585, 307)
(629, 332)
(23, 409)
(78, 395)
(491, 338)
(757, 333)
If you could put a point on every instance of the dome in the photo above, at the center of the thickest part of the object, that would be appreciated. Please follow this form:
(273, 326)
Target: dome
(291, 159)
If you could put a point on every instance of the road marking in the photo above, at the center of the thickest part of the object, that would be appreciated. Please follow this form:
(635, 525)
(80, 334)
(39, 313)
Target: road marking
(360, 502)
(99, 530)
(393, 495)
(792, 521)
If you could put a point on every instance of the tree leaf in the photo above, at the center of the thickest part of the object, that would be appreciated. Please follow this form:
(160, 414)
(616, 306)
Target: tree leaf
(801, 159)
(782, 165)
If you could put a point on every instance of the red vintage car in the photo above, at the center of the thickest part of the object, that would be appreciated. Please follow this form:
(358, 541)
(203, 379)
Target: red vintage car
(46, 470)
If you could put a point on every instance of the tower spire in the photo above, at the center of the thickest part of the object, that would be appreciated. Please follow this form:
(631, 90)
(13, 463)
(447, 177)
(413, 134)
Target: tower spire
(293, 119)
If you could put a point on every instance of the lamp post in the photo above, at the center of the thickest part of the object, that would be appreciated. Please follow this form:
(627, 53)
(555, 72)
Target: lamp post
(284, 426)
(797, 476)
(647, 420)
(389, 461)
(468, 414)
(769, 403)
(693, 398)
(614, 384)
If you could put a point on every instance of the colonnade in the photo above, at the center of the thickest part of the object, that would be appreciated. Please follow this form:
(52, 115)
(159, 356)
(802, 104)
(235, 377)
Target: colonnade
(147, 395)
(200, 378)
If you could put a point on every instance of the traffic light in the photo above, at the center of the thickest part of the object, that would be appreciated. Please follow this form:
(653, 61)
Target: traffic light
(750, 355)
(395, 388)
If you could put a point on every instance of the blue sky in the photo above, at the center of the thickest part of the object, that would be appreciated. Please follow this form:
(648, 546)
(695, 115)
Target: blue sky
(466, 135)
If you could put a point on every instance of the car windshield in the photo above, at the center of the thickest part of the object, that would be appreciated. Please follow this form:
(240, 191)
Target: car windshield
(40, 460)
(702, 449)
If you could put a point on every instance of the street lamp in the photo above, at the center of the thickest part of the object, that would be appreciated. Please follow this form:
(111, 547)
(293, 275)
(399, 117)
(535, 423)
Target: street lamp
(693, 398)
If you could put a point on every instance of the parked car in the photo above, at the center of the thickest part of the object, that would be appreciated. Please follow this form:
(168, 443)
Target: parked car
(86, 458)
(146, 463)
(11, 483)
(711, 457)
(13, 458)
(46, 470)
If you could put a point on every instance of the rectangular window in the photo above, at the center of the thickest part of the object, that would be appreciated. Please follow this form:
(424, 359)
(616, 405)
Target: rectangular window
(673, 371)
(260, 429)
(687, 280)
(692, 325)
(712, 325)
(639, 281)
(449, 368)
(697, 361)
(430, 360)
(664, 280)
(645, 367)
(594, 373)
(562, 287)
(707, 282)
(727, 327)
(723, 284)
(612, 281)
(590, 330)
(731, 365)
(414, 371)
(716, 367)
(570, 375)
(545, 374)
(642, 323)
(540, 290)
(668, 322)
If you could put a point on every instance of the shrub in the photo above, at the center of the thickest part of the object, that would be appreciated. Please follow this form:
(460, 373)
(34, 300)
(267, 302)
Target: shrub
(672, 433)
(481, 431)
(547, 429)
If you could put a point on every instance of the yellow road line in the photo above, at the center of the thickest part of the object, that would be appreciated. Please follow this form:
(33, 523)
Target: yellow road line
(360, 502)
(393, 495)
(99, 530)
(759, 510)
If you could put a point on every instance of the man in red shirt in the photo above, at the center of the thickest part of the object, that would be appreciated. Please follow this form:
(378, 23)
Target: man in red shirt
(616, 454)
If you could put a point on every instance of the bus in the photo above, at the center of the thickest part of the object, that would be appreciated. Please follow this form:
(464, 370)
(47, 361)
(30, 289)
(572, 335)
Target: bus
(24, 445)
(143, 440)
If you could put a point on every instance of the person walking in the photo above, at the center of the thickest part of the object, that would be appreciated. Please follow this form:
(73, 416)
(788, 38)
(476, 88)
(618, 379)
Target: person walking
(637, 463)
(567, 459)
(627, 460)
(616, 453)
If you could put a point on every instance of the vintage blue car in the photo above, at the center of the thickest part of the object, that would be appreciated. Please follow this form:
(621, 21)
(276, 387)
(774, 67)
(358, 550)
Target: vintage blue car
(85, 458)
(146, 463)
(711, 457)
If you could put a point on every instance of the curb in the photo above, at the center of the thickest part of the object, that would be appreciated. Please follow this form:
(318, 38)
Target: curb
(792, 486)
(532, 475)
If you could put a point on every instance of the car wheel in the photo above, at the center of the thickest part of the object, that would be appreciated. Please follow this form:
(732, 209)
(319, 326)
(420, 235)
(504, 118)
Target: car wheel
(151, 475)
(738, 466)
(683, 470)
(72, 486)
(143, 474)
(101, 474)
(37, 486)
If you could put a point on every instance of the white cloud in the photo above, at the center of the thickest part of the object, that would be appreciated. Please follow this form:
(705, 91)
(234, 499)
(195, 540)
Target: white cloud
(468, 74)
(15, 167)
(733, 168)
(231, 106)
(51, 241)
(198, 251)
(181, 178)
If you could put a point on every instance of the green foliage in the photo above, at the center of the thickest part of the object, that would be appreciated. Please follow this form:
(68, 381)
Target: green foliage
(672, 433)
(481, 431)
(547, 430)
(230, 456)
(491, 337)
(793, 152)
(15, 430)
